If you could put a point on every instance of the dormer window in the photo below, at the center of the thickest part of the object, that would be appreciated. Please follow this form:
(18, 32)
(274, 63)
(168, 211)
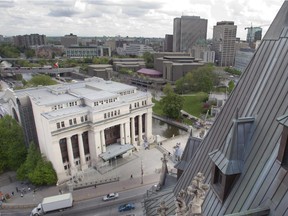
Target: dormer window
(283, 148)
(229, 160)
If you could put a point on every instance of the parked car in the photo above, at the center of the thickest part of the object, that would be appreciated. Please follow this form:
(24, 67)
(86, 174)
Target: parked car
(126, 207)
(110, 196)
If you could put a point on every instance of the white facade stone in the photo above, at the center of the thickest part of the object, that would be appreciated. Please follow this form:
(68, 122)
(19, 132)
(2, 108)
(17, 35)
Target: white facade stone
(86, 115)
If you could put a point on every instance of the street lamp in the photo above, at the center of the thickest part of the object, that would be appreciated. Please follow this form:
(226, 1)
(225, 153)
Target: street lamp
(142, 172)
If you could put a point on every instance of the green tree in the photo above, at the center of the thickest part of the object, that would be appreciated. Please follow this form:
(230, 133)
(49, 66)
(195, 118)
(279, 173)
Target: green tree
(12, 144)
(43, 80)
(171, 103)
(9, 51)
(29, 53)
(43, 174)
(36, 168)
(231, 86)
(201, 79)
(149, 59)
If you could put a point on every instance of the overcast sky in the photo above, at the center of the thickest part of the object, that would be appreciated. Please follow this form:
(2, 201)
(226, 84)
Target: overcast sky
(146, 18)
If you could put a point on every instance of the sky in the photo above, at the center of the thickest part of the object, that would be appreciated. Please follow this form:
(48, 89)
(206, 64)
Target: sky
(133, 18)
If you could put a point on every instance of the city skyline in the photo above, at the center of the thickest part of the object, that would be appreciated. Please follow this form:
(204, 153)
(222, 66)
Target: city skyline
(128, 18)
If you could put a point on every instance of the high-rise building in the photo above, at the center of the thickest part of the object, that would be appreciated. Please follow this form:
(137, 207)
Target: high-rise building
(69, 40)
(187, 30)
(224, 37)
(168, 43)
(253, 34)
(29, 40)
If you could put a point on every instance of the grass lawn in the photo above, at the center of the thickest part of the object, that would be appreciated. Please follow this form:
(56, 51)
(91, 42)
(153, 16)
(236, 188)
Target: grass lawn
(192, 104)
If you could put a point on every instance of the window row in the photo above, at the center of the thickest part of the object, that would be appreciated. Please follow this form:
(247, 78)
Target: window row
(111, 114)
(137, 104)
(61, 106)
(97, 103)
(71, 121)
(127, 92)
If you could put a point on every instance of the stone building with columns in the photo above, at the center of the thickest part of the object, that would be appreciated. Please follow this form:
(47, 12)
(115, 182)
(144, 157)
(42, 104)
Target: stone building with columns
(78, 125)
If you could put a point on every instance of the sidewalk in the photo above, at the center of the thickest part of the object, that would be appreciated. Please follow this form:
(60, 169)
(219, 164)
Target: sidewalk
(151, 163)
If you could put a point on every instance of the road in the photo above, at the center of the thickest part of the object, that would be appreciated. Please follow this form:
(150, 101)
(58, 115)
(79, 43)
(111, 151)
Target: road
(95, 207)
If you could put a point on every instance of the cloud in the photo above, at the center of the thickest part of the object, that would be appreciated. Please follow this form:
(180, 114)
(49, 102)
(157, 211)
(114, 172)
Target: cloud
(7, 4)
(62, 12)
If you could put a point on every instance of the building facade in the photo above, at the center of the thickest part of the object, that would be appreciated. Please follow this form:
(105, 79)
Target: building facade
(87, 52)
(224, 37)
(168, 43)
(69, 40)
(77, 123)
(187, 30)
(29, 40)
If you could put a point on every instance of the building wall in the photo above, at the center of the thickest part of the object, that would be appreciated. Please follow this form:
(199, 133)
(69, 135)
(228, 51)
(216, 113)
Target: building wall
(168, 43)
(63, 113)
(224, 37)
(69, 40)
(187, 30)
(29, 40)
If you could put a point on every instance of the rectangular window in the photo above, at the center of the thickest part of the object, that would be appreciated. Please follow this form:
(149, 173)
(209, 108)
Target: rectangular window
(118, 112)
(82, 119)
(115, 112)
(105, 116)
(283, 148)
(86, 118)
(58, 125)
(62, 124)
(112, 114)
(70, 121)
(74, 121)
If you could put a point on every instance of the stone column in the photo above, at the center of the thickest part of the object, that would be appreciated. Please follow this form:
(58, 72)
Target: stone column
(103, 144)
(148, 126)
(122, 134)
(127, 132)
(140, 129)
(98, 143)
(132, 131)
(82, 153)
(70, 153)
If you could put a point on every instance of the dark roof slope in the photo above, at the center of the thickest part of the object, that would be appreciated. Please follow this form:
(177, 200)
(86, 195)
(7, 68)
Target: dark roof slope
(262, 93)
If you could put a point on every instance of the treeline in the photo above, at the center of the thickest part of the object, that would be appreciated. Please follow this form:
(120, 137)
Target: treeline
(201, 79)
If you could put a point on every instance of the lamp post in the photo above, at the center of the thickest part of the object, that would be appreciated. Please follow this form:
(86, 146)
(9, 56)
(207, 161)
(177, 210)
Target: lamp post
(142, 172)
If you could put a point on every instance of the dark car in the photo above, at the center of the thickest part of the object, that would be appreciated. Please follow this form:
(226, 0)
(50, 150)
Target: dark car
(126, 207)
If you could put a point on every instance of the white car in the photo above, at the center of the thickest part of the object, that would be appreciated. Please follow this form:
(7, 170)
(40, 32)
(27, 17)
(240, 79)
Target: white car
(110, 196)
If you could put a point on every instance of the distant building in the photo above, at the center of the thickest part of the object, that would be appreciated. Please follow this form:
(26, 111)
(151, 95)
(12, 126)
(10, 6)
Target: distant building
(203, 52)
(133, 64)
(242, 58)
(48, 51)
(103, 71)
(253, 34)
(224, 37)
(168, 43)
(158, 58)
(87, 51)
(176, 67)
(29, 40)
(69, 40)
(81, 125)
(187, 30)
(135, 49)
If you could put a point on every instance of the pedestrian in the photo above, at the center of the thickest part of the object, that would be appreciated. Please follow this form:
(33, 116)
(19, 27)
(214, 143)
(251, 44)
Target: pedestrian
(12, 193)
(95, 185)
(131, 177)
(17, 189)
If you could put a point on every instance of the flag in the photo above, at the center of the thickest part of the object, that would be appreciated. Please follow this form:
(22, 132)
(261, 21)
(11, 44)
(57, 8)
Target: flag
(56, 65)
